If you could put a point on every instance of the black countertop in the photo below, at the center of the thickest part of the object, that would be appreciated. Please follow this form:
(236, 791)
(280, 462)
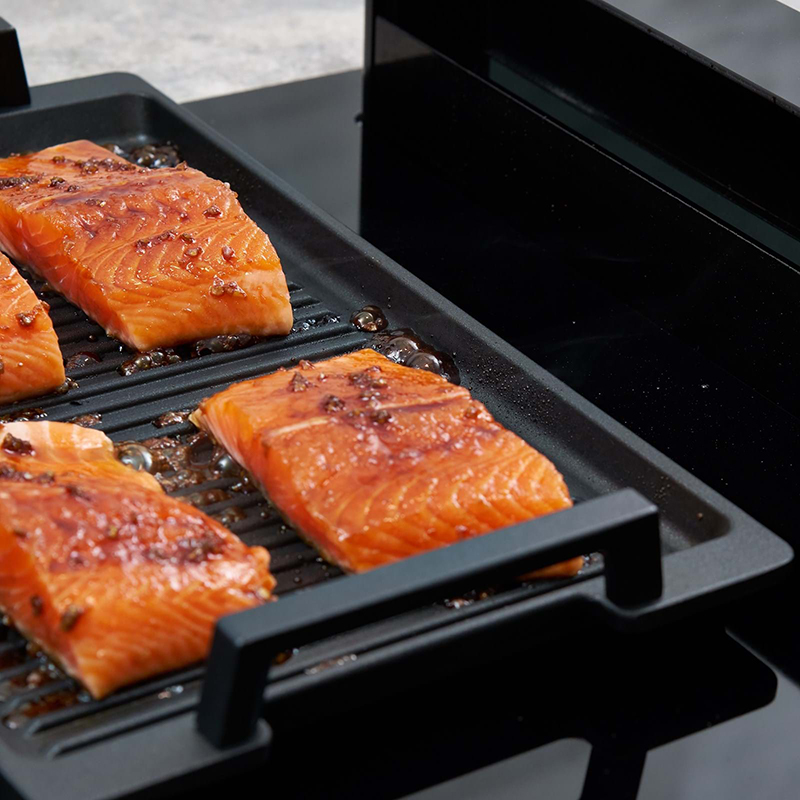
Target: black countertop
(698, 712)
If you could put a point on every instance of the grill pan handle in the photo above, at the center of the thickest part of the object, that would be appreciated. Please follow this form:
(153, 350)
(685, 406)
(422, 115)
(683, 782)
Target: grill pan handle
(623, 526)
(14, 85)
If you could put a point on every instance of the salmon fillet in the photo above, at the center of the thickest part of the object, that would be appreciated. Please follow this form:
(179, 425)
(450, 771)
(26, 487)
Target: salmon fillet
(113, 578)
(30, 358)
(156, 256)
(373, 461)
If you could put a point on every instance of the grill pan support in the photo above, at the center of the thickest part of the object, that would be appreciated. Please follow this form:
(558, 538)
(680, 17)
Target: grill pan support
(623, 526)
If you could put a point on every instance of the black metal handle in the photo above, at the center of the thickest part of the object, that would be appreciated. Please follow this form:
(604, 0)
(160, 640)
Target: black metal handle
(623, 525)
(13, 83)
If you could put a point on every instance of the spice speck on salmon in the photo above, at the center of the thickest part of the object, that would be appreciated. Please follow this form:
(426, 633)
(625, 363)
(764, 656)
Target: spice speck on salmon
(299, 383)
(13, 444)
(27, 318)
(18, 180)
(70, 617)
(233, 288)
(37, 605)
(78, 492)
(331, 404)
(142, 244)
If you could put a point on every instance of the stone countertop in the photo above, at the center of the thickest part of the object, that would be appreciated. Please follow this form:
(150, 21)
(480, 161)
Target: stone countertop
(189, 50)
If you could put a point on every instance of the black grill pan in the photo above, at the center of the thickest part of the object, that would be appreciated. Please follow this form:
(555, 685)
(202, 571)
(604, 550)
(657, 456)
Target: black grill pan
(672, 546)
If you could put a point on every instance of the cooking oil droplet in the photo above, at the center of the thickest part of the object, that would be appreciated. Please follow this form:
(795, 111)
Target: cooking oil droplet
(170, 691)
(284, 656)
(370, 319)
(225, 465)
(153, 358)
(406, 347)
(135, 455)
(230, 516)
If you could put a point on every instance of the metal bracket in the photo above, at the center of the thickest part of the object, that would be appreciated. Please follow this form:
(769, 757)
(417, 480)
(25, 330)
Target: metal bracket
(13, 83)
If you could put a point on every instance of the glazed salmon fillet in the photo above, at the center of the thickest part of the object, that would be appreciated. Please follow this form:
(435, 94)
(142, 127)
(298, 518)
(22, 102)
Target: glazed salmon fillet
(30, 358)
(156, 256)
(373, 461)
(113, 578)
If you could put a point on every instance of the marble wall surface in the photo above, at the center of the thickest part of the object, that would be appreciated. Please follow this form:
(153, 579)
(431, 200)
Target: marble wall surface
(189, 49)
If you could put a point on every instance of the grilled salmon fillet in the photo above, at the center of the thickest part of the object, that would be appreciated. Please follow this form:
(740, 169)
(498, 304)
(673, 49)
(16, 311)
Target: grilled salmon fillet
(373, 461)
(110, 576)
(30, 358)
(156, 256)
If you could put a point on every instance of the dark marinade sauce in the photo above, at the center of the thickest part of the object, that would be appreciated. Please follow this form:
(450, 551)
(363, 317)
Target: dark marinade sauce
(152, 156)
(403, 345)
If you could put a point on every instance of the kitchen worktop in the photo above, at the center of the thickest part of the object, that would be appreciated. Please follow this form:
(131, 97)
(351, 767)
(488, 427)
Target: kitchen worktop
(189, 50)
